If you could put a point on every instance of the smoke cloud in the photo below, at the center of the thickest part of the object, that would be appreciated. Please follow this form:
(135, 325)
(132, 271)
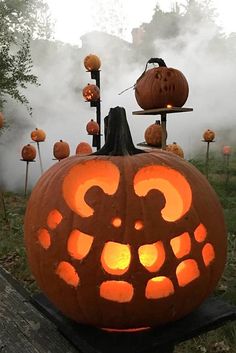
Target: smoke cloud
(205, 57)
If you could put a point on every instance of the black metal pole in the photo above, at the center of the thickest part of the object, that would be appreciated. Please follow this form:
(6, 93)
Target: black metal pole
(97, 138)
(163, 130)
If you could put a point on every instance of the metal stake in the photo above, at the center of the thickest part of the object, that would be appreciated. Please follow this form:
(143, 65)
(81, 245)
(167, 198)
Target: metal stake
(26, 177)
(40, 159)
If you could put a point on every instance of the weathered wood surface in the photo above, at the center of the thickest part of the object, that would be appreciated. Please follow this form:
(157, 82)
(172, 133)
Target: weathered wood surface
(162, 111)
(23, 329)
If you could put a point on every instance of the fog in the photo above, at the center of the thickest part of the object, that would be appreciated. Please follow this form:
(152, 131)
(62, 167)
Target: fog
(205, 57)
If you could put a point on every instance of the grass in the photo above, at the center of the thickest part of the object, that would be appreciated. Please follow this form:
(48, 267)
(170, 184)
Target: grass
(13, 256)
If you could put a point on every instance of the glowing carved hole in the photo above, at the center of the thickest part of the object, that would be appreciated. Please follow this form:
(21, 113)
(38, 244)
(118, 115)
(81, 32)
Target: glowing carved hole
(116, 222)
(44, 238)
(152, 256)
(79, 244)
(186, 272)
(200, 233)
(208, 254)
(171, 183)
(82, 177)
(181, 245)
(117, 291)
(115, 258)
(54, 219)
(67, 273)
(138, 225)
(159, 287)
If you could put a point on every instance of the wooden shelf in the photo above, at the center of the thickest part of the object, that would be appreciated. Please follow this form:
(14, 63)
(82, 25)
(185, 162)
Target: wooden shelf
(162, 111)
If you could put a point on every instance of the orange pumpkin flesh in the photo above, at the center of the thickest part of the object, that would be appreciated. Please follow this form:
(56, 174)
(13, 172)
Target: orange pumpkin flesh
(138, 239)
(91, 93)
(161, 87)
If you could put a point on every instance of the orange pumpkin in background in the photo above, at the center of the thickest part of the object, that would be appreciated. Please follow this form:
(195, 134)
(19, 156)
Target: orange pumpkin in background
(125, 239)
(92, 62)
(227, 150)
(161, 86)
(38, 135)
(1, 120)
(153, 134)
(92, 127)
(83, 148)
(176, 149)
(61, 150)
(28, 153)
(91, 93)
(208, 135)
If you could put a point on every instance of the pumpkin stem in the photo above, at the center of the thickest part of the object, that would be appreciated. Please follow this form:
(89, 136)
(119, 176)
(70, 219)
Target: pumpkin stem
(119, 141)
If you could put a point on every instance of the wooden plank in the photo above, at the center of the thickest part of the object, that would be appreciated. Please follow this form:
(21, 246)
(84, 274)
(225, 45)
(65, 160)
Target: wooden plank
(162, 111)
(23, 328)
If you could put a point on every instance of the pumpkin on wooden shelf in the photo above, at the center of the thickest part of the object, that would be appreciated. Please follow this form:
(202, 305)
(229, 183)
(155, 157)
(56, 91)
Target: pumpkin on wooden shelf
(153, 134)
(176, 149)
(91, 93)
(161, 87)
(92, 127)
(125, 239)
(83, 148)
(92, 62)
(28, 153)
(61, 150)
(208, 135)
(38, 135)
(1, 120)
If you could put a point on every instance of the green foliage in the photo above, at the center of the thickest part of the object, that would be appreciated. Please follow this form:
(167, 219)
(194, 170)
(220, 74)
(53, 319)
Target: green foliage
(20, 20)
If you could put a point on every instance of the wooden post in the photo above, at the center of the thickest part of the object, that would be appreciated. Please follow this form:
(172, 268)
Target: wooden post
(40, 159)
(163, 130)
(207, 160)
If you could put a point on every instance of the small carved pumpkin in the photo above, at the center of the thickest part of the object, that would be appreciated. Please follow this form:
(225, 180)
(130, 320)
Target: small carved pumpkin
(175, 148)
(91, 93)
(38, 135)
(161, 87)
(125, 239)
(208, 135)
(1, 120)
(92, 127)
(92, 62)
(153, 134)
(61, 150)
(28, 153)
(83, 148)
(227, 150)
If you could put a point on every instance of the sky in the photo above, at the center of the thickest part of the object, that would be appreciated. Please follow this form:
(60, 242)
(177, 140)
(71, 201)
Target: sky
(73, 18)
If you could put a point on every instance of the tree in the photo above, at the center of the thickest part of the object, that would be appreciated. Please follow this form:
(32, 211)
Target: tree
(20, 20)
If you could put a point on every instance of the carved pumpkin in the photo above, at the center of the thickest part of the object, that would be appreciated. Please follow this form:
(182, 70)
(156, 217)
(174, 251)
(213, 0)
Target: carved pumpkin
(38, 135)
(91, 93)
(28, 153)
(153, 134)
(122, 238)
(227, 150)
(208, 135)
(83, 148)
(1, 120)
(160, 87)
(92, 127)
(175, 148)
(61, 150)
(92, 62)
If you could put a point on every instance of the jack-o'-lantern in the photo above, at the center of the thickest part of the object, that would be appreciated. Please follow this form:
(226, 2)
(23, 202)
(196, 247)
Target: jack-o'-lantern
(161, 87)
(83, 148)
(208, 135)
(28, 153)
(92, 62)
(1, 120)
(61, 150)
(91, 93)
(122, 238)
(92, 127)
(153, 134)
(176, 149)
(38, 135)
(227, 150)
